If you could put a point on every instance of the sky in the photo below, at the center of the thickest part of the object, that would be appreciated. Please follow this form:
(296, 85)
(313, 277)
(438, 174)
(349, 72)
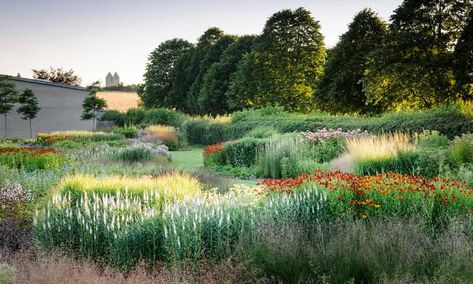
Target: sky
(94, 37)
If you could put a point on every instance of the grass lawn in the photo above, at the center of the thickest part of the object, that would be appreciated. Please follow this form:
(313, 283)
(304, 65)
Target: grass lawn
(192, 159)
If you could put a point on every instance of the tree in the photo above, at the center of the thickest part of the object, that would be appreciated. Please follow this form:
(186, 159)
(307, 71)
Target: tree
(204, 44)
(157, 79)
(216, 82)
(29, 107)
(414, 67)
(8, 98)
(340, 89)
(57, 75)
(213, 56)
(285, 62)
(92, 104)
(463, 62)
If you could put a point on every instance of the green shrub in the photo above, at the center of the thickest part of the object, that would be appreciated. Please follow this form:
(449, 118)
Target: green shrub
(146, 117)
(134, 154)
(113, 115)
(262, 132)
(163, 116)
(240, 172)
(462, 150)
(243, 152)
(432, 139)
(127, 131)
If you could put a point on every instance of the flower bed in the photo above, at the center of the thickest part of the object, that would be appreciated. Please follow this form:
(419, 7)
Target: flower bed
(31, 158)
(388, 194)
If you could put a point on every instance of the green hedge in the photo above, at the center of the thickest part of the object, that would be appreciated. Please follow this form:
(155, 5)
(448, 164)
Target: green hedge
(145, 117)
(242, 153)
(448, 121)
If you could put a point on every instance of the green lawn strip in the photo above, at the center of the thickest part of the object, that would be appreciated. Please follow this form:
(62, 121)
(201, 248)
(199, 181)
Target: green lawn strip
(192, 159)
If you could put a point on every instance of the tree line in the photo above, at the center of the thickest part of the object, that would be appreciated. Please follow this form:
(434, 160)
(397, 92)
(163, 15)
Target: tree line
(422, 58)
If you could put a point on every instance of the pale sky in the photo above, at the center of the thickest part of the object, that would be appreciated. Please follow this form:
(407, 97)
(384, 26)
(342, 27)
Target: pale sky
(94, 37)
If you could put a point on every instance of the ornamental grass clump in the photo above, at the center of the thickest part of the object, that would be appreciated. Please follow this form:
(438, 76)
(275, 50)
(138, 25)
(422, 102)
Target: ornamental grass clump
(379, 147)
(86, 213)
(212, 226)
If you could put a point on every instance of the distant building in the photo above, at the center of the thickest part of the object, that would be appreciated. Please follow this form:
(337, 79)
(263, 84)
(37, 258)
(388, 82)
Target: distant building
(112, 80)
(61, 108)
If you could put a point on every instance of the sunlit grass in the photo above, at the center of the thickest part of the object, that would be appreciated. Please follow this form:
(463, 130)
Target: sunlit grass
(384, 146)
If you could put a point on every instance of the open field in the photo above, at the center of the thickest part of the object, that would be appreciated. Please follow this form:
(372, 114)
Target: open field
(121, 101)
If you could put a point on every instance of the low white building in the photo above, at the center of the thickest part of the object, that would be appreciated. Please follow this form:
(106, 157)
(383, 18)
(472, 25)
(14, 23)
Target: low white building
(61, 108)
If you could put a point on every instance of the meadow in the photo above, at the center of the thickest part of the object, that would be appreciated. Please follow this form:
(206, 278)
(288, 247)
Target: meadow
(271, 197)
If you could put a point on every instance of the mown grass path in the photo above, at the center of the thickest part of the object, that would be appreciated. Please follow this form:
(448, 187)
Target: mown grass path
(192, 159)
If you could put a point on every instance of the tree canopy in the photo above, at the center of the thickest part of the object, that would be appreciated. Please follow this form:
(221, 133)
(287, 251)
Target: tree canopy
(29, 107)
(157, 78)
(340, 89)
(58, 75)
(414, 66)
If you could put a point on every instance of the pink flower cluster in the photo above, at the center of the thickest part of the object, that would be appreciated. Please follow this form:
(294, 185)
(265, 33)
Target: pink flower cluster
(325, 133)
(11, 195)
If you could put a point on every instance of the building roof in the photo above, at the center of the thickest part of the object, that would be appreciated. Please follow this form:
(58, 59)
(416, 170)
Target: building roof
(45, 82)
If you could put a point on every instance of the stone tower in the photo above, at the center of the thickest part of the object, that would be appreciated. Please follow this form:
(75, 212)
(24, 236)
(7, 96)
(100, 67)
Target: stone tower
(111, 81)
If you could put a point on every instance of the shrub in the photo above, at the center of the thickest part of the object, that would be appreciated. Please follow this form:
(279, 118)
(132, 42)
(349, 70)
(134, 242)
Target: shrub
(213, 155)
(163, 116)
(127, 131)
(113, 115)
(462, 150)
(134, 153)
(243, 152)
(262, 132)
(432, 139)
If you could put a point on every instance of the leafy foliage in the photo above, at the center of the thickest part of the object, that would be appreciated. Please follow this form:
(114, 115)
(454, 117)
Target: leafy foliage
(29, 107)
(340, 89)
(57, 75)
(158, 78)
(413, 68)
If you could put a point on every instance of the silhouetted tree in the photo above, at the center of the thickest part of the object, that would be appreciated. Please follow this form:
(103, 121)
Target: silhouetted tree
(92, 104)
(8, 98)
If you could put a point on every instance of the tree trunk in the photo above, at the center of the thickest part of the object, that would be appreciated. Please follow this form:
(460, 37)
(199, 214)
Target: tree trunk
(31, 130)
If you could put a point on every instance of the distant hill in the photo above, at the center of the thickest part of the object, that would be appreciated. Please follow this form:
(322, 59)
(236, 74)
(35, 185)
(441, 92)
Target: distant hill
(121, 101)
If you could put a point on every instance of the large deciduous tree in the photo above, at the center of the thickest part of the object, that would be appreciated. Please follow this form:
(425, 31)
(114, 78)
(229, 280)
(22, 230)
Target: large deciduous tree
(58, 75)
(199, 65)
(285, 63)
(463, 61)
(29, 107)
(213, 94)
(340, 89)
(8, 98)
(92, 104)
(157, 79)
(414, 67)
